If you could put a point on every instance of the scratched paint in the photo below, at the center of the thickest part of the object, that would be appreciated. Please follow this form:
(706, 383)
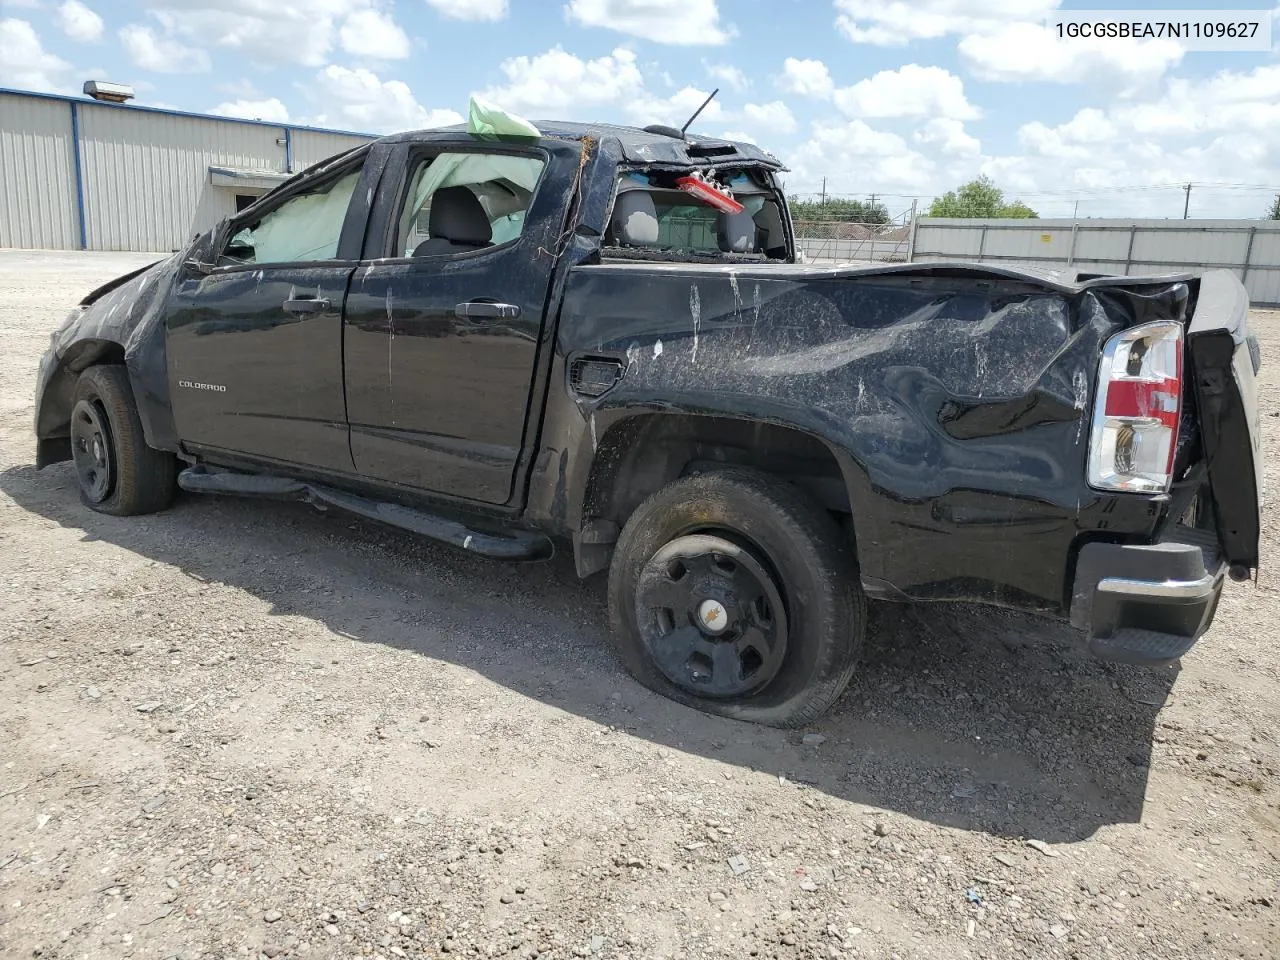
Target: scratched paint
(695, 311)
(391, 345)
(1080, 387)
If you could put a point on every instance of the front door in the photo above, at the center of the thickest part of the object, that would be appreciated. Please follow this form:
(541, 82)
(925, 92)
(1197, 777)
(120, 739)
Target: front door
(255, 346)
(442, 333)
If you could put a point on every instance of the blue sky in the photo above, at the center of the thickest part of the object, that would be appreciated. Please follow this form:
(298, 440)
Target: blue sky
(900, 98)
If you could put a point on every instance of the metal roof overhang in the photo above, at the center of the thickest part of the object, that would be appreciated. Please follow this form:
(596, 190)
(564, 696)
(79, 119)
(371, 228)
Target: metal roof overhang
(246, 179)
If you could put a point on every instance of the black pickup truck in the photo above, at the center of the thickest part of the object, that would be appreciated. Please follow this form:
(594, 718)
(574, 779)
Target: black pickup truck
(602, 337)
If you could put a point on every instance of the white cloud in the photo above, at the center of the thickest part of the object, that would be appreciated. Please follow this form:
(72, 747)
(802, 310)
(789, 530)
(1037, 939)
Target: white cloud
(808, 77)
(1229, 103)
(1030, 51)
(738, 136)
(24, 63)
(79, 22)
(910, 91)
(1122, 160)
(772, 118)
(1006, 40)
(1077, 138)
(897, 22)
(860, 158)
(729, 76)
(271, 110)
(490, 10)
(267, 32)
(949, 136)
(373, 34)
(159, 53)
(558, 85)
(677, 22)
(674, 110)
(358, 100)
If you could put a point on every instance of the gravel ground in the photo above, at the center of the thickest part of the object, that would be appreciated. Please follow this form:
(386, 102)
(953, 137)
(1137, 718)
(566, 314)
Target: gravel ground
(247, 729)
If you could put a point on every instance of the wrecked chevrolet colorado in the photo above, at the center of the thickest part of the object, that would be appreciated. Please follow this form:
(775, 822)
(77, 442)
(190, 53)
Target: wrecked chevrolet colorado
(601, 337)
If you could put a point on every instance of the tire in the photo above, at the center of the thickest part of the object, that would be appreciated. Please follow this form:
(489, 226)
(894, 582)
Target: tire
(754, 527)
(117, 472)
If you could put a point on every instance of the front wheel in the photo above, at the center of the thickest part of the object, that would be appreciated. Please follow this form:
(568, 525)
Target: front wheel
(734, 593)
(118, 473)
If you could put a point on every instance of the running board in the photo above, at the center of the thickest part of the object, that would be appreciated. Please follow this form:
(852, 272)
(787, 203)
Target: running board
(519, 545)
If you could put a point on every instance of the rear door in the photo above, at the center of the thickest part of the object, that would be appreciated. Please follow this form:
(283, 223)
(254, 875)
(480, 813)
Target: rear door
(1224, 358)
(444, 319)
(255, 346)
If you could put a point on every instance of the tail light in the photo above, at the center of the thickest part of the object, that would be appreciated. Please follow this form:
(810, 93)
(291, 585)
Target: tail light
(1136, 410)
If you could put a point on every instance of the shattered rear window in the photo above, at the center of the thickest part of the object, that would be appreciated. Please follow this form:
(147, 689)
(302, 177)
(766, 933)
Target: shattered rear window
(654, 219)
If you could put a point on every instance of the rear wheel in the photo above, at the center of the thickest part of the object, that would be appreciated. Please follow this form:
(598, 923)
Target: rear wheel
(734, 593)
(118, 473)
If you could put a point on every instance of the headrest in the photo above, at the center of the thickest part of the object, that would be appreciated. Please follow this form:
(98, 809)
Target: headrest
(635, 218)
(736, 232)
(457, 215)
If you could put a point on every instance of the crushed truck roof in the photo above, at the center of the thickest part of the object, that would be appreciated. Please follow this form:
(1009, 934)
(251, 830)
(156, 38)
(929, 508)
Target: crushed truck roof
(640, 146)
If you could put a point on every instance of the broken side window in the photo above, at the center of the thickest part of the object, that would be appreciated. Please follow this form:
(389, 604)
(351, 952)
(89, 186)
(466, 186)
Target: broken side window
(305, 227)
(458, 202)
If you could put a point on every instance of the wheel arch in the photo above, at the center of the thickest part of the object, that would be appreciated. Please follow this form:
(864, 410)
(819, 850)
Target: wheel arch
(642, 452)
(53, 405)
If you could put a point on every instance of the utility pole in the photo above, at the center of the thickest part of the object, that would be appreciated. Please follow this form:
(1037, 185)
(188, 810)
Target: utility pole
(1075, 211)
(1187, 205)
(824, 191)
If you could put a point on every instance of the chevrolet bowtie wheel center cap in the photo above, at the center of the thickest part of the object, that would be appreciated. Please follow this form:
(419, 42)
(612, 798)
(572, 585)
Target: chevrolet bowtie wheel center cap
(712, 616)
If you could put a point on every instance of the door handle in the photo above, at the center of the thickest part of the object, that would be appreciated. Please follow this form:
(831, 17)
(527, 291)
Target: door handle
(299, 307)
(485, 310)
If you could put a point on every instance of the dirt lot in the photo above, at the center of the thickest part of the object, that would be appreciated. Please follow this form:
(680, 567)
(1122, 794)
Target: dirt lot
(241, 729)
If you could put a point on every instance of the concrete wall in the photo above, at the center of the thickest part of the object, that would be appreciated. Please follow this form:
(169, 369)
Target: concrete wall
(1249, 248)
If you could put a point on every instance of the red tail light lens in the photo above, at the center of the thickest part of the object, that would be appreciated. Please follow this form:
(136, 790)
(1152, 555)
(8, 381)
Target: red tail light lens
(1136, 410)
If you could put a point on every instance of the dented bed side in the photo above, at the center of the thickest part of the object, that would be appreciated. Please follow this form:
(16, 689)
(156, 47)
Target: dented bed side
(956, 401)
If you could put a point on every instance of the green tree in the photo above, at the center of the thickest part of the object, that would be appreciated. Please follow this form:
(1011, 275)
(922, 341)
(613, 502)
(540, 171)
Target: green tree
(1274, 212)
(843, 211)
(979, 198)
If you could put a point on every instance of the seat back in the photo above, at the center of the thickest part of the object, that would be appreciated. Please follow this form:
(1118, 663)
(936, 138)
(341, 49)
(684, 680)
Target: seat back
(457, 224)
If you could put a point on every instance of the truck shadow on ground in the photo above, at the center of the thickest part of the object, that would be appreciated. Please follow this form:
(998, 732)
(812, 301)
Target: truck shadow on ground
(967, 717)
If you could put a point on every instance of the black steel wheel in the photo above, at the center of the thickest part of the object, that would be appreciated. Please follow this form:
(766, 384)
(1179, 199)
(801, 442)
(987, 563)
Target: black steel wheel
(118, 473)
(712, 617)
(92, 451)
(735, 593)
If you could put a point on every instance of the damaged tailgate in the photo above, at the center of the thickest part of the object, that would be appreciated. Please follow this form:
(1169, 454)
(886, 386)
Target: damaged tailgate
(1224, 362)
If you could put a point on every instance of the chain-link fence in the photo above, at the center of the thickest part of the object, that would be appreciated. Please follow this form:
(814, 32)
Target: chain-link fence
(844, 241)
(844, 230)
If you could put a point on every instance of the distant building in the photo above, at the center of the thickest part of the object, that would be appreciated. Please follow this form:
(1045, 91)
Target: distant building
(89, 174)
